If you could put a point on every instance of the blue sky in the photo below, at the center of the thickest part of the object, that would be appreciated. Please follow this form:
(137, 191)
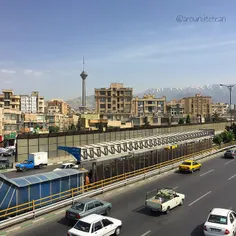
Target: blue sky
(139, 43)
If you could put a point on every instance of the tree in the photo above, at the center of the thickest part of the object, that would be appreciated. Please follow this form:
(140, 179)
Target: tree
(181, 121)
(53, 129)
(78, 127)
(146, 122)
(218, 139)
(188, 119)
(72, 127)
(100, 127)
(227, 136)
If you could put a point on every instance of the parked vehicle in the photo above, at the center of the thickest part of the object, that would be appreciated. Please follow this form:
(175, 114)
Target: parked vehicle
(96, 225)
(230, 153)
(67, 166)
(35, 160)
(4, 163)
(8, 153)
(87, 206)
(189, 166)
(163, 200)
(220, 222)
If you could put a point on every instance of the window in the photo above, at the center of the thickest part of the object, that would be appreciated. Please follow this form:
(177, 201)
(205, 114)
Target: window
(102, 106)
(218, 219)
(186, 163)
(102, 99)
(90, 206)
(102, 93)
(231, 217)
(98, 204)
(97, 226)
(106, 222)
(82, 226)
(78, 206)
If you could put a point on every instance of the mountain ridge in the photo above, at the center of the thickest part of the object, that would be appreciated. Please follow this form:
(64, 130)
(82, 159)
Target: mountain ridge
(218, 94)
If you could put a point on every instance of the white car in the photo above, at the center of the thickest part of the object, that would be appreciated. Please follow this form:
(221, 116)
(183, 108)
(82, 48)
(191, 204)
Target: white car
(67, 166)
(96, 225)
(220, 222)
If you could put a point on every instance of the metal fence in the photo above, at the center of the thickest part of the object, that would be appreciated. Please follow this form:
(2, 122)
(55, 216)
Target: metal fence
(114, 167)
(49, 142)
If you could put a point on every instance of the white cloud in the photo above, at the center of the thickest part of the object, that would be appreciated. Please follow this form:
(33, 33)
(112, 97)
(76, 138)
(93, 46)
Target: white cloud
(6, 71)
(32, 72)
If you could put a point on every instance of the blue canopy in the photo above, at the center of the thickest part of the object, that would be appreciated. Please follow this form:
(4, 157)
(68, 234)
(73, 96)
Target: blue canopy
(74, 151)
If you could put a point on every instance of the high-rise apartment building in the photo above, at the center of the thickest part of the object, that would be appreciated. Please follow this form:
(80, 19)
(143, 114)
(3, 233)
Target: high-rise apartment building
(220, 108)
(12, 114)
(32, 104)
(115, 102)
(198, 105)
(1, 121)
(148, 105)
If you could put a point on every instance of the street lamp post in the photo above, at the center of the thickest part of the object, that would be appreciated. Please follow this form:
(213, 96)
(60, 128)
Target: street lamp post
(230, 87)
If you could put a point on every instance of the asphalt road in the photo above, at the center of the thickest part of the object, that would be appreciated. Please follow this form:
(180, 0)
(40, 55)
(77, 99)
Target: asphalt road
(15, 174)
(213, 186)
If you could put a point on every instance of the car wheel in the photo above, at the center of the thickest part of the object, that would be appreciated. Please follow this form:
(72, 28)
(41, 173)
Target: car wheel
(117, 231)
(23, 169)
(108, 211)
(167, 210)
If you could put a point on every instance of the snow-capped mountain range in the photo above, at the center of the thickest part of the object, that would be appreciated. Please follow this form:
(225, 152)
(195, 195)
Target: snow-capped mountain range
(218, 94)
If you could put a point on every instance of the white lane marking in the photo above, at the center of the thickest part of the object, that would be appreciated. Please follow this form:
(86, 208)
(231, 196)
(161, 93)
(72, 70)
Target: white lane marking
(207, 172)
(229, 162)
(232, 177)
(176, 187)
(13, 229)
(199, 198)
(120, 189)
(146, 233)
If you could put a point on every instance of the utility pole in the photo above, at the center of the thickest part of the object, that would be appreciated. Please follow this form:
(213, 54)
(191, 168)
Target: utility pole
(230, 87)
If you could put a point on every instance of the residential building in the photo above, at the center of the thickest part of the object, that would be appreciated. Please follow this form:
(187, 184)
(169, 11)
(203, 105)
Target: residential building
(58, 120)
(220, 108)
(32, 104)
(58, 106)
(32, 121)
(198, 106)
(1, 122)
(148, 105)
(175, 108)
(12, 114)
(115, 102)
(92, 121)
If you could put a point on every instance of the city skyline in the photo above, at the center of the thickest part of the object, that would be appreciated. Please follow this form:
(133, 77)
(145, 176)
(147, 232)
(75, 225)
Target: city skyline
(43, 44)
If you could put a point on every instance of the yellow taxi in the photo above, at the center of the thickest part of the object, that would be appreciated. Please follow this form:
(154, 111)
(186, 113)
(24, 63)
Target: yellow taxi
(189, 166)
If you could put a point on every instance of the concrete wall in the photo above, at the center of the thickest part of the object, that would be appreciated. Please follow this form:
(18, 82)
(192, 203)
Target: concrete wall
(49, 144)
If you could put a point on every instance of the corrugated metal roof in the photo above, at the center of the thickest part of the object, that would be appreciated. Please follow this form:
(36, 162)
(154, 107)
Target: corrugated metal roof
(39, 178)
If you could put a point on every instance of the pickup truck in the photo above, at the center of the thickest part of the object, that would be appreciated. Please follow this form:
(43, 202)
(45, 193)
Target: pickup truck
(35, 160)
(163, 200)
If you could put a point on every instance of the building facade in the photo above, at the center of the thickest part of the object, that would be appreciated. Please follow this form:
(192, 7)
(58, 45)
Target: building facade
(198, 106)
(220, 108)
(114, 103)
(148, 105)
(58, 106)
(32, 104)
(1, 121)
(12, 115)
(175, 108)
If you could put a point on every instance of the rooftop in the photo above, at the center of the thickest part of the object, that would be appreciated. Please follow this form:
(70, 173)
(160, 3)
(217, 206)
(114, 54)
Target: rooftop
(220, 211)
(91, 218)
(39, 178)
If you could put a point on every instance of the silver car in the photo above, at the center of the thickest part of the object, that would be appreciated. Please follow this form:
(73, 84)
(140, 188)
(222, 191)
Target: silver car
(87, 206)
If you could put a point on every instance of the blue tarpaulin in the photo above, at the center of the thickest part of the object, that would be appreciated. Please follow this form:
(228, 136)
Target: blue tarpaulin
(74, 151)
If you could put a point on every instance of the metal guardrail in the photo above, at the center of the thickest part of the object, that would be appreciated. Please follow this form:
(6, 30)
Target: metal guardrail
(68, 197)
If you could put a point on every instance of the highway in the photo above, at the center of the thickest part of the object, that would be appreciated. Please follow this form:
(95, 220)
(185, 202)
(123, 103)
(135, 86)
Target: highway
(213, 186)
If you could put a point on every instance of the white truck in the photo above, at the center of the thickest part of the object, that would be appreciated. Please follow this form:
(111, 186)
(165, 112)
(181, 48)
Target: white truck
(163, 200)
(35, 160)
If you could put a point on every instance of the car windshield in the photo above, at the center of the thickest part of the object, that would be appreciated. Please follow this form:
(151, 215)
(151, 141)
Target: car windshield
(218, 219)
(25, 162)
(62, 167)
(82, 226)
(186, 163)
(78, 206)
